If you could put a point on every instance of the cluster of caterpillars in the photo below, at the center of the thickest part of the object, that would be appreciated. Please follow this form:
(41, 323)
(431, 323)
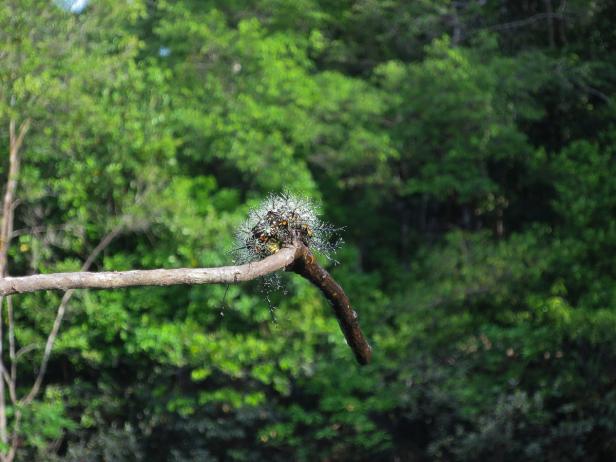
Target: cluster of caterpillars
(277, 229)
(283, 220)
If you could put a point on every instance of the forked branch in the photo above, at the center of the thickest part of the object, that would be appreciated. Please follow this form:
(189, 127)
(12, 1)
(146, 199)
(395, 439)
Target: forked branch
(297, 258)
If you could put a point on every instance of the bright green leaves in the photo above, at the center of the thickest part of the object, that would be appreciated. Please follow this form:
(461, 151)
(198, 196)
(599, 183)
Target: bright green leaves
(264, 109)
(46, 420)
(248, 111)
(449, 123)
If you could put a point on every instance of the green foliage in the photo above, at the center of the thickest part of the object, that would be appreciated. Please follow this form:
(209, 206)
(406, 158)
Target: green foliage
(467, 150)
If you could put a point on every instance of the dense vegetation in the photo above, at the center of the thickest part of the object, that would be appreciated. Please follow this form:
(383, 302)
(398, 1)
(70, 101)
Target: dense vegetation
(468, 148)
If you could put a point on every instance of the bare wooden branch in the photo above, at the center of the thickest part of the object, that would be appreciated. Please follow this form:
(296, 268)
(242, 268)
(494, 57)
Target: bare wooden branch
(3, 432)
(297, 258)
(6, 231)
(51, 338)
(308, 267)
(156, 277)
(13, 374)
(527, 21)
(25, 350)
(8, 209)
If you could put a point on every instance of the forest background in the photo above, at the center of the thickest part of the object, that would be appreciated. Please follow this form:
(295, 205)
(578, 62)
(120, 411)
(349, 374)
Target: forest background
(466, 148)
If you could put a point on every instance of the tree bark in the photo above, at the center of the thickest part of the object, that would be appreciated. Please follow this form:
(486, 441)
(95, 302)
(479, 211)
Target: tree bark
(297, 258)
(156, 277)
(6, 230)
(308, 267)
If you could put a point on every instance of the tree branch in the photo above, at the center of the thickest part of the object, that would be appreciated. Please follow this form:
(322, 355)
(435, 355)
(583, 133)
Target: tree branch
(13, 374)
(156, 277)
(297, 258)
(306, 265)
(527, 21)
(6, 230)
(51, 338)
